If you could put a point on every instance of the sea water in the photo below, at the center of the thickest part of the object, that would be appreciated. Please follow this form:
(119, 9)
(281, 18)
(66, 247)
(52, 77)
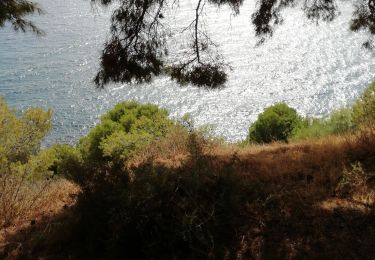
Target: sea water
(313, 68)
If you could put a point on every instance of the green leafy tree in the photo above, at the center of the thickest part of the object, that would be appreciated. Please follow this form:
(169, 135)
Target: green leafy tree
(21, 161)
(20, 137)
(276, 123)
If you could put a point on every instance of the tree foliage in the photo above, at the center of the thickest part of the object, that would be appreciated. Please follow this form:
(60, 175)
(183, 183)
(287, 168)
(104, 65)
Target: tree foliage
(138, 46)
(21, 161)
(14, 11)
(20, 137)
(276, 123)
(122, 130)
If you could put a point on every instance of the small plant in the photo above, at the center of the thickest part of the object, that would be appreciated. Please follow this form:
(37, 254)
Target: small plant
(352, 179)
(276, 123)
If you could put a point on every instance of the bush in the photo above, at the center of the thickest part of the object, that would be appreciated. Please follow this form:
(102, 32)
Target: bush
(21, 136)
(280, 122)
(364, 107)
(123, 130)
(22, 164)
(276, 123)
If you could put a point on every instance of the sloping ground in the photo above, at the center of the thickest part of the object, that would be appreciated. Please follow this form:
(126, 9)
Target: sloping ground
(312, 199)
(309, 202)
(35, 225)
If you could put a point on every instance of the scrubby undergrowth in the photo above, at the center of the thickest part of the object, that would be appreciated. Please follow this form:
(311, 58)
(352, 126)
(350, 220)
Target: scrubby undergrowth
(311, 199)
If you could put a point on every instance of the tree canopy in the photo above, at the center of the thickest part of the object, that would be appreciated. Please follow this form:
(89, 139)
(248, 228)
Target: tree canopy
(137, 48)
(14, 11)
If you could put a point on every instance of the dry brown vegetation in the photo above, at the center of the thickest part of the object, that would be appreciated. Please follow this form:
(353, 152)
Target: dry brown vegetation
(29, 208)
(307, 199)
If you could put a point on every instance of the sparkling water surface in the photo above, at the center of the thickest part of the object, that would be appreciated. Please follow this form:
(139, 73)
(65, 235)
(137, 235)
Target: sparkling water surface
(314, 69)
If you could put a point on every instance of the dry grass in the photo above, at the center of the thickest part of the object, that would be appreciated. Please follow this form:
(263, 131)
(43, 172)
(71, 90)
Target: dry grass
(23, 200)
(297, 207)
(26, 203)
(172, 150)
(312, 168)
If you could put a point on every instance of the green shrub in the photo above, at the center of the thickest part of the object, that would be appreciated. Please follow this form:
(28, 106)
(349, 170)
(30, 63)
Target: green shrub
(279, 122)
(123, 130)
(343, 120)
(276, 123)
(364, 107)
(310, 128)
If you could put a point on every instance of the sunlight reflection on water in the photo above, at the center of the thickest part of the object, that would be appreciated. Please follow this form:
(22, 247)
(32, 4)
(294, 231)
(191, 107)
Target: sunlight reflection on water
(315, 69)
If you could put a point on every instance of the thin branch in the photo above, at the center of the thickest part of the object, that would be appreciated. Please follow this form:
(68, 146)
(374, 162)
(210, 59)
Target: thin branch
(196, 29)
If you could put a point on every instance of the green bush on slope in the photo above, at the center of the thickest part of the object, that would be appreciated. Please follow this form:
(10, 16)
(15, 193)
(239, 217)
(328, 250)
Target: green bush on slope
(68, 161)
(20, 139)
(276, 123)
(124, 129)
